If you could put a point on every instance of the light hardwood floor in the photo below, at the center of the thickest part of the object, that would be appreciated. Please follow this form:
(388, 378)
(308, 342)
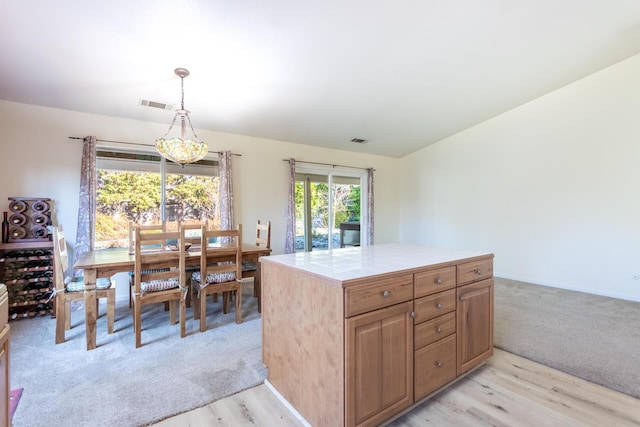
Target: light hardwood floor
(507, 391)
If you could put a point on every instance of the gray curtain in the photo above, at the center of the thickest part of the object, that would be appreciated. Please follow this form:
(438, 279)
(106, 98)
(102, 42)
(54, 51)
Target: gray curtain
(370, 206)
(87, 204)
(290, 243)
(226, 191)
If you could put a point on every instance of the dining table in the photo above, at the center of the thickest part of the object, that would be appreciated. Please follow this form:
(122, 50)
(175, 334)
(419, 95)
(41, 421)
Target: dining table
(107, 262)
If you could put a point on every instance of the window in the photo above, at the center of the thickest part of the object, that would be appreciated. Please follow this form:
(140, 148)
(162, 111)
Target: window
(329, 208)
(146, 189)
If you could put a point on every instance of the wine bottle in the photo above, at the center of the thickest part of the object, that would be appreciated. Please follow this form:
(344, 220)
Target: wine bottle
(5, 228)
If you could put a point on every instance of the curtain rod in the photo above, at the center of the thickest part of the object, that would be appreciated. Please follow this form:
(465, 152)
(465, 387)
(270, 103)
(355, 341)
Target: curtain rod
(142, 145)
(328, 164)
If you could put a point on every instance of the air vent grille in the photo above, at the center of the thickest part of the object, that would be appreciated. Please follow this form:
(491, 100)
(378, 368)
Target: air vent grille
(154, 104)
(359, 141)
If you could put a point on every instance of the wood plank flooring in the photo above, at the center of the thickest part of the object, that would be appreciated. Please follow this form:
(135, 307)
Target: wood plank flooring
(508, 391)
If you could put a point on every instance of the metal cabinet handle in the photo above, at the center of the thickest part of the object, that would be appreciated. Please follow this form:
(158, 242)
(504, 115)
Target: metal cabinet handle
(385, 294)
(438, 305)
(478, 272)
(412, 314)
(461, 298)
(439, 364)
(439, 330)
(438, 281)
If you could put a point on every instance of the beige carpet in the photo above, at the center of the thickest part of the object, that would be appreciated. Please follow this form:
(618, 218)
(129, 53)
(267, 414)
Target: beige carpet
(592, 337)
(119, 385)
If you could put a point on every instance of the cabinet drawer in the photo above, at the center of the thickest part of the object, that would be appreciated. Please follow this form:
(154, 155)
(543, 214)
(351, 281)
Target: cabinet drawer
(378, 294)
(434, 281)
(434, 329)
(435, 366)
(434, 305)
(474, 271)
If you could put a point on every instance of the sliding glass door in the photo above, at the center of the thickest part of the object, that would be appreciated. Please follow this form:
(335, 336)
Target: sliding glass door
(329, 207)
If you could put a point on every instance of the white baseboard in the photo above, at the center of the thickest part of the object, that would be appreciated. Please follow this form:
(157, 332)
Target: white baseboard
(569, 288)
(286, 403)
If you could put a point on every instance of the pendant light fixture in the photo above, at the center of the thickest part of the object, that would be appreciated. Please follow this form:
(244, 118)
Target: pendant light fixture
(181, 150)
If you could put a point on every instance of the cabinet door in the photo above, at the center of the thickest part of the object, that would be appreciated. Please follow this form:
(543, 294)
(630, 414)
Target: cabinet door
(379, 371)
(474, 324)
(4, 376)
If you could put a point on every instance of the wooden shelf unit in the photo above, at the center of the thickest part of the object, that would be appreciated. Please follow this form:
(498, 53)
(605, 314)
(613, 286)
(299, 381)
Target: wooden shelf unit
(27, 271)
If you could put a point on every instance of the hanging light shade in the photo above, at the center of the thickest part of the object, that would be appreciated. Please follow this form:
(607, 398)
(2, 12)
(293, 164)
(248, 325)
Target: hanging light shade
(181, 150)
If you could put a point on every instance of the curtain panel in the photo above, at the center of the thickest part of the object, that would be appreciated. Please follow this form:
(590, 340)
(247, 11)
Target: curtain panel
(226, 191)
(87, 202)
(370, 222)
(290, 243)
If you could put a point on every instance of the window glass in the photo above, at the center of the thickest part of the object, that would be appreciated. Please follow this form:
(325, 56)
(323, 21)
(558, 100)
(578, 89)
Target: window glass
(146, 189)
(328, 208)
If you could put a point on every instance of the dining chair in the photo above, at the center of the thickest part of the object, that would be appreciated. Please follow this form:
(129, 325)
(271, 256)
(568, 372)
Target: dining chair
(69, 289)
(157, 228)
(251, 268)
(159, 276)
(223, 276)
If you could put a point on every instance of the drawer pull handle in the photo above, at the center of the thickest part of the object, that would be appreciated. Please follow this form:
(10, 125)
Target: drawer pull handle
(439, 364)
(385, 294)
(461, 298)
(439, 330)
(478, 272)
(412, 314)
(438, 305)
(438, 281)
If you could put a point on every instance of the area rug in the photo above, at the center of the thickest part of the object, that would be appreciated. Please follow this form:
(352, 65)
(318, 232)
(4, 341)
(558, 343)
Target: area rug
(14, 398)
(118, 385)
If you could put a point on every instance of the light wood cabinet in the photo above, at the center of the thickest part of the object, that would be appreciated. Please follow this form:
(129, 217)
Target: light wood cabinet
(357, 347)
(379, 349)
(4, 375)
(474, 324)
(435, 366)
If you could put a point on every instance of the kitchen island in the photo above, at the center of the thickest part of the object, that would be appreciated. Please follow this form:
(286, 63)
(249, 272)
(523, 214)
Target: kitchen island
(355, 336)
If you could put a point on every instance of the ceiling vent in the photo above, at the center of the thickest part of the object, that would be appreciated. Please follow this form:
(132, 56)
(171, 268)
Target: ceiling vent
(154, 104)
(359, 141)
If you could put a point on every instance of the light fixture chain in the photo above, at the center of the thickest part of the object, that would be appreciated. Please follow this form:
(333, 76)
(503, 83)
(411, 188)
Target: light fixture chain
(171, 126)
(182, 86)
(191, 126)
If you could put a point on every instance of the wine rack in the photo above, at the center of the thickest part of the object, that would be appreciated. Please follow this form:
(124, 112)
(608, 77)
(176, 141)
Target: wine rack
(29, 218)
(27, 271)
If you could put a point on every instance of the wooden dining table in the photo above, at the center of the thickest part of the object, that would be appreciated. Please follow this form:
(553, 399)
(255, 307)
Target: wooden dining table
(107, 262)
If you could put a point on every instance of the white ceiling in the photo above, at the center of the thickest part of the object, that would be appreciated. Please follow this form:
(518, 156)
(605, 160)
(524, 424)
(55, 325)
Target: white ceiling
(402, 74)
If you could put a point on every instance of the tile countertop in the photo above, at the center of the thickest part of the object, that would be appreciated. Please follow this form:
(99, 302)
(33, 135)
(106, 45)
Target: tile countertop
(364, 261)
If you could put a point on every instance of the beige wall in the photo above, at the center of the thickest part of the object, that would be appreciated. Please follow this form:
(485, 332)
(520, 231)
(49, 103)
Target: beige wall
(552, 187)
(39, 160)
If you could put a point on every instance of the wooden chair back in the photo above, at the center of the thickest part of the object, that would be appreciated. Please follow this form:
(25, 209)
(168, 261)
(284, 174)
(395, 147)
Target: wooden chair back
(229, 241)
(155, 228)
(63, 297)
(263, 234)
(60, 257)
(158, 263)
(163, 272)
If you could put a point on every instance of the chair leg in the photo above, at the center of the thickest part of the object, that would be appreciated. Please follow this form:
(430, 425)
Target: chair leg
(67, 315)
(172, 311)
(111, 310)
(225, 302)
(183, 315)
(137, 323)
(203, 312)
(60, 318)
(195, 303)
(239, 305)
(130, 291)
